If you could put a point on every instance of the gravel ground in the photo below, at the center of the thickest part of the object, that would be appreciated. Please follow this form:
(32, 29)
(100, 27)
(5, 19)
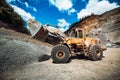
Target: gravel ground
(77, 69)
(24, 60)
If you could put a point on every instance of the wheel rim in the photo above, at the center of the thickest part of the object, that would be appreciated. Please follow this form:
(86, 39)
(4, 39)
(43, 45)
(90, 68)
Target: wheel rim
(60, 54)
(98, 53)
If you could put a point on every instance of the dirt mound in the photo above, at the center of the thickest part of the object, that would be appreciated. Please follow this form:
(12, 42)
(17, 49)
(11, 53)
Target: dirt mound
(17, 52)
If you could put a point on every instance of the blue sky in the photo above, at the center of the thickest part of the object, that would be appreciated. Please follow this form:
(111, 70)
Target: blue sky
(61, 12)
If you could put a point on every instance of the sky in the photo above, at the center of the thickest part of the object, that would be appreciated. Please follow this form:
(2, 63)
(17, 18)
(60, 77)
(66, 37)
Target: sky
(61, 12)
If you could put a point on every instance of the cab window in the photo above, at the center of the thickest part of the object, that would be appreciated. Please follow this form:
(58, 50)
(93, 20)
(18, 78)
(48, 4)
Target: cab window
(73, 33)
(80, 34)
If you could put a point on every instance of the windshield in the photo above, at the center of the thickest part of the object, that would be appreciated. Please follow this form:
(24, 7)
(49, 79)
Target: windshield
(73, 33)
(80, 34)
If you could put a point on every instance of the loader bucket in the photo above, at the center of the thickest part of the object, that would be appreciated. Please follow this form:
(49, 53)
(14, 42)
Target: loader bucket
(45, 33)
(34, 27)
(37, 31)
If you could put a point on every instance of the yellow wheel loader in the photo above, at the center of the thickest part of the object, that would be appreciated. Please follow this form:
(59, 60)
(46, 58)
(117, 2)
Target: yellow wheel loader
(77, 43)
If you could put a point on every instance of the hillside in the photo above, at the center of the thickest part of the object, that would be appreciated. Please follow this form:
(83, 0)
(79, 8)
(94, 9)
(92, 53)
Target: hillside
(105, 27)
(10, 19)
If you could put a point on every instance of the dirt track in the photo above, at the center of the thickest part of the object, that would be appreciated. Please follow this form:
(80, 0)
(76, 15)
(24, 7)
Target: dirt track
(19, 60)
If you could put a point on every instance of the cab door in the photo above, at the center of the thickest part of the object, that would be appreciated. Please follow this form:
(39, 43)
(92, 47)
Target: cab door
(80, 36)
(73, 39)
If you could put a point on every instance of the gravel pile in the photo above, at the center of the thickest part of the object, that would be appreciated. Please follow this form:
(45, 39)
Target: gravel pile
(15, 53)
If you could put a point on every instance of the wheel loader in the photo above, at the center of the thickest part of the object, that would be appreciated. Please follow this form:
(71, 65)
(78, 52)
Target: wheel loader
(77, 44)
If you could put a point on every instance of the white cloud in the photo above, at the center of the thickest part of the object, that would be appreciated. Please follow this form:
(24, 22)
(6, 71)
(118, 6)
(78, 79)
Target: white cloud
(83, 0)
(63, 24)
(72, 10)
(34, 9)
(9, 1)
(26, 4)
(25, 15)
(62, 5)
(30, 7)
(96, 7)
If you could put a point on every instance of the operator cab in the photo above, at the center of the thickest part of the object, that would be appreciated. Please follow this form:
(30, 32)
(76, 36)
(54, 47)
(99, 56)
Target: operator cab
(76, 33)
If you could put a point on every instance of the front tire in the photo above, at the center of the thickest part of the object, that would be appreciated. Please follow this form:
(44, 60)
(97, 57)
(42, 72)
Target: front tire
(60, 53)
(95, 52)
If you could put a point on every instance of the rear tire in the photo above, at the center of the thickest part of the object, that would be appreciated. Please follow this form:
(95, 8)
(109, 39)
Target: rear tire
(95, 52)
(60, 53)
